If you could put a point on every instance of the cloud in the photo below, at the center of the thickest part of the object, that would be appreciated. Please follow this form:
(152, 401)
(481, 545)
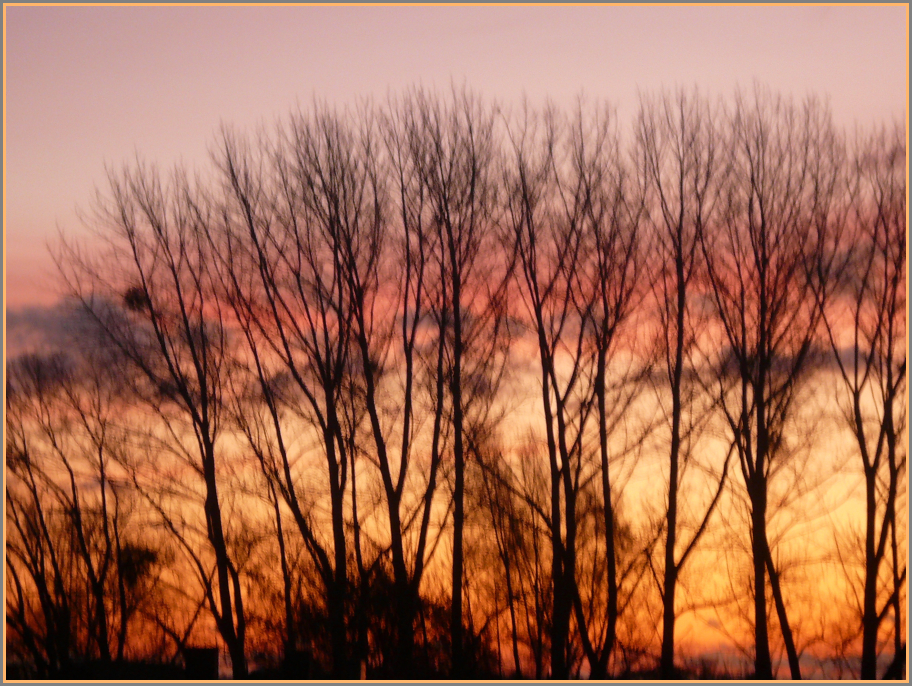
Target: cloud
(45, 329)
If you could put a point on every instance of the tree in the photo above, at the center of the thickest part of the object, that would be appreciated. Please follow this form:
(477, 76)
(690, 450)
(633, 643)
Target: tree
(36, 561)
(679, 149)
(513, 490)
(548, 254)
(865, 324)
(288, 229)
(455, 165)
(69, 506)
(608, 205)
(571, 222)
(157, 310)
(776, 214)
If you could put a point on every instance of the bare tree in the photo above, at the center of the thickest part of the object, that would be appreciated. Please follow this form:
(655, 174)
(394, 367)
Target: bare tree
(456, 166)
(508, 539)
(608, 205)
(777, 211)
(69, 505)
(681, 158)
(157, 310)
(286, 214)
(36, 557)
(865, 324)
(514, 491)
(572, 224)
(399, 316)
(547, 259)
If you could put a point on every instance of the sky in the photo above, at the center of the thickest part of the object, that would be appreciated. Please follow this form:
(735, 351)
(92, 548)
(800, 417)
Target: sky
(93, 87)
(87, 87)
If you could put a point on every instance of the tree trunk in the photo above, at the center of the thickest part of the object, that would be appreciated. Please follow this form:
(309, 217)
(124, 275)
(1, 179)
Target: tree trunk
(666, 666)
(458, 665)
(217, 539)
(763, 664)
(290, 629)
(406, 606)
(787, 637)
(337, 591)
(869, 619)
(610, 553)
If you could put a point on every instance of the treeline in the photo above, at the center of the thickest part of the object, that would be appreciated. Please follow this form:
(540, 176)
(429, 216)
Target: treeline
(446, 391)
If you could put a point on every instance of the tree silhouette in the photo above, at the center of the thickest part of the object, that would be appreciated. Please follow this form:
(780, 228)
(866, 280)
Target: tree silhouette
(429, 389)
(159, 312)
(781, 184)
(865, 324)
(682, 160)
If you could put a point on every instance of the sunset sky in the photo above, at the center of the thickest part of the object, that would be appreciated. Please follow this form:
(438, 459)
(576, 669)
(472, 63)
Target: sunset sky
(93, 86)
(94, 90)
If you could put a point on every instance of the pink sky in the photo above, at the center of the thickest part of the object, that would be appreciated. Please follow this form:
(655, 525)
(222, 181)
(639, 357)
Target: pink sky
(86, 86)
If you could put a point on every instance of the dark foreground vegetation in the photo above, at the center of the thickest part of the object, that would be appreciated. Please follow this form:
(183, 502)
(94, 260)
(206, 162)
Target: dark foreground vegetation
(434, 390)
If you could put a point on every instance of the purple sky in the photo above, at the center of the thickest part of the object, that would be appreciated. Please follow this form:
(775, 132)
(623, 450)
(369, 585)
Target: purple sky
(86, 86)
